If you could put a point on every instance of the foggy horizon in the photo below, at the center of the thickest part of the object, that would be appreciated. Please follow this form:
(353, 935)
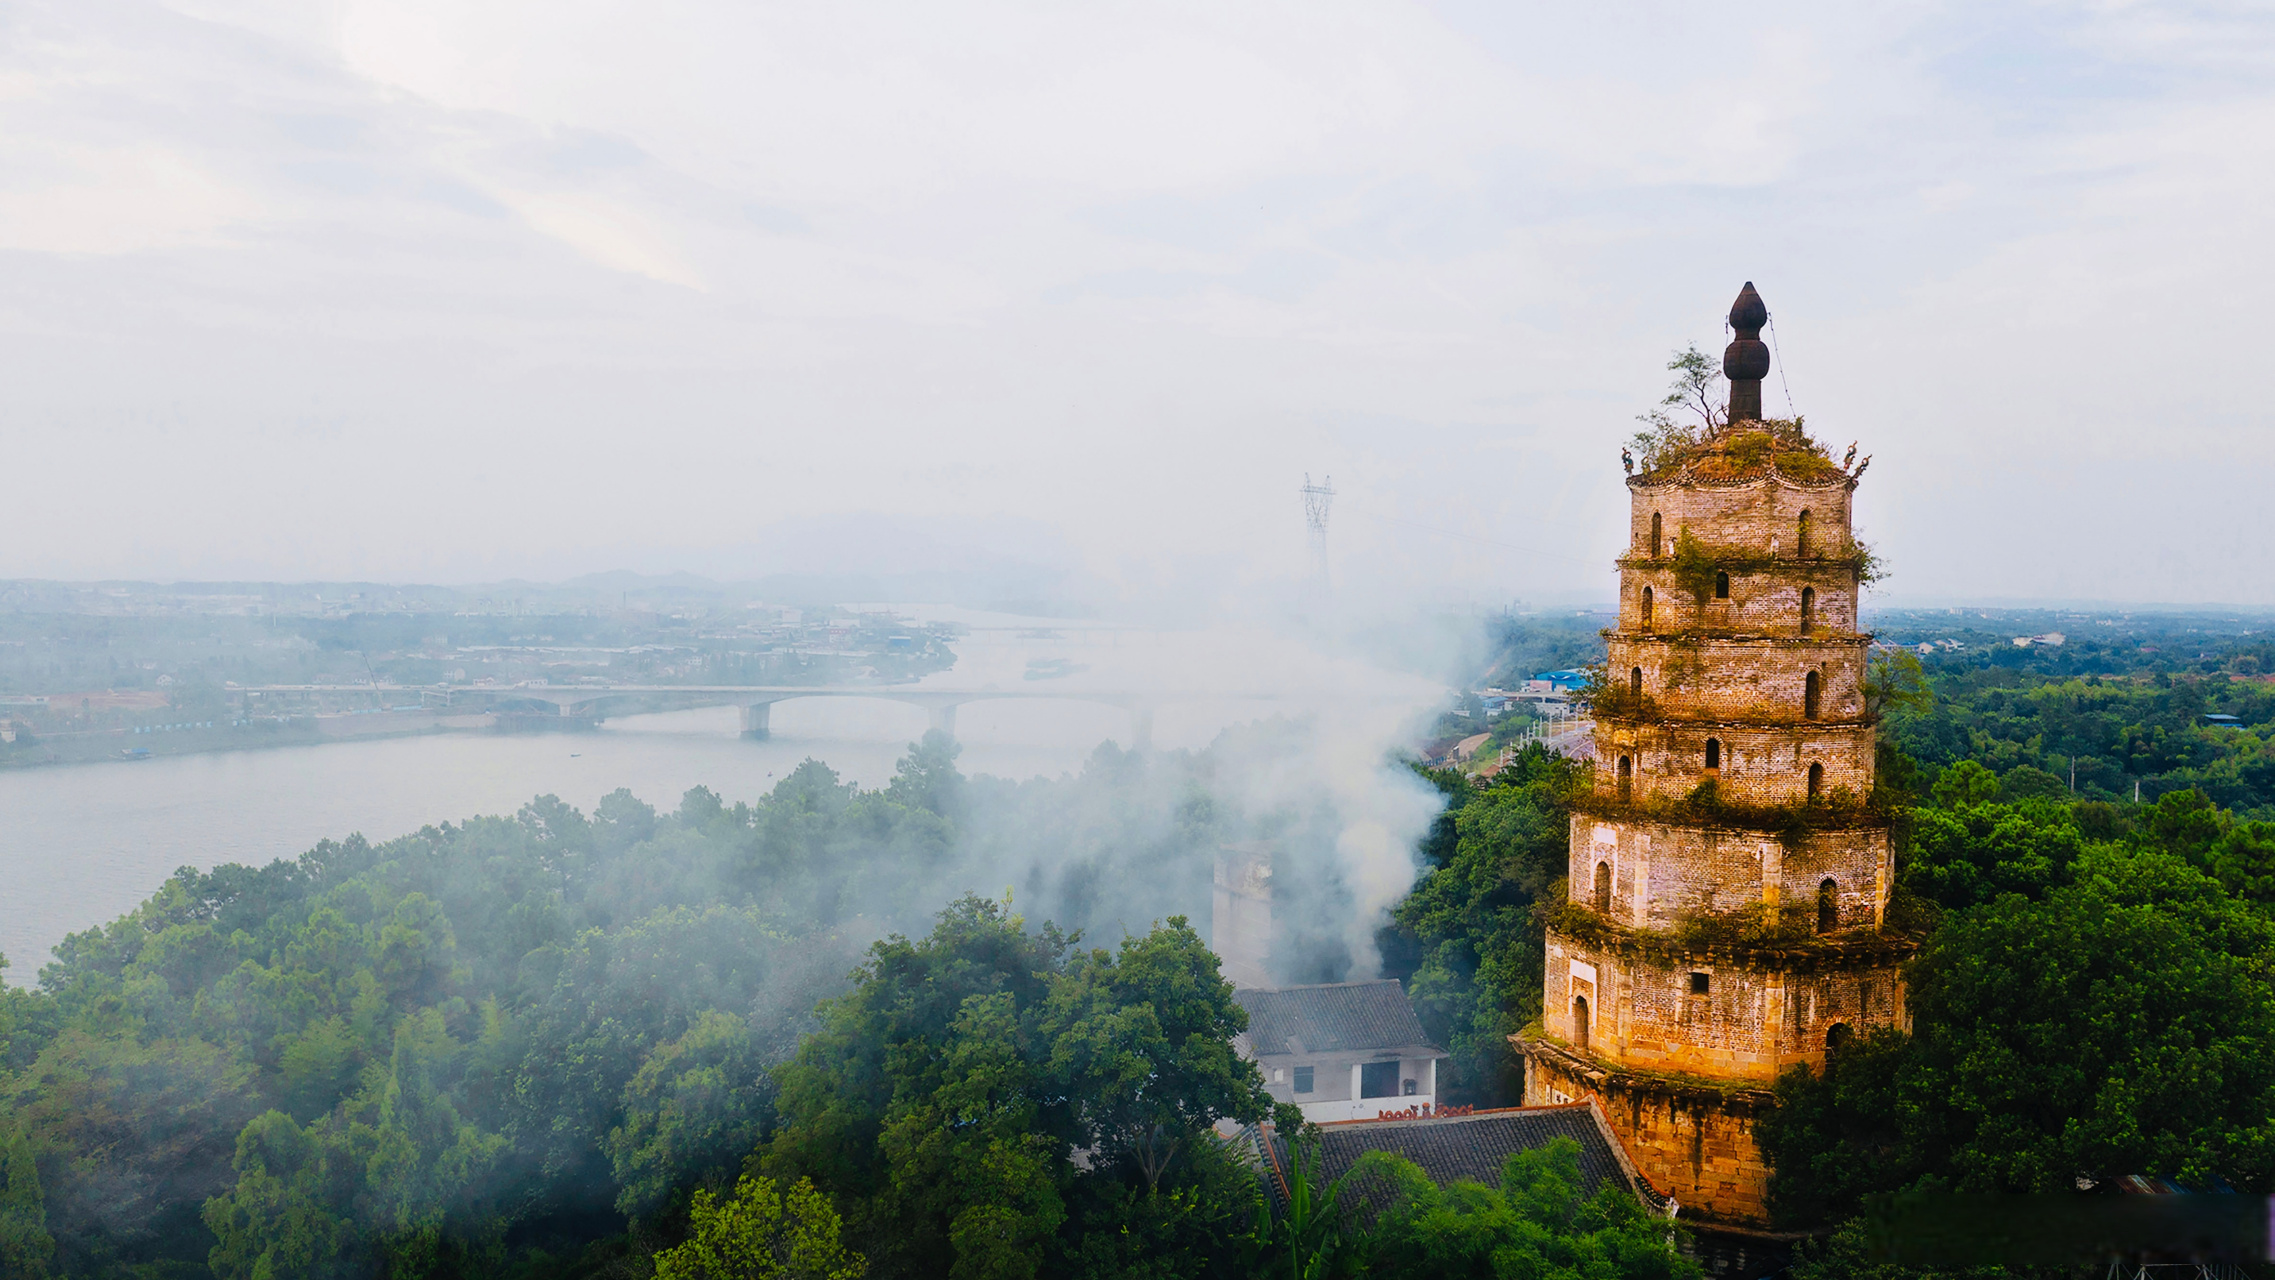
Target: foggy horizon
(342, 291)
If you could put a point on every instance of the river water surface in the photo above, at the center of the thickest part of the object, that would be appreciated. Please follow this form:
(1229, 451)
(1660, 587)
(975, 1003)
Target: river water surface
(82, 844)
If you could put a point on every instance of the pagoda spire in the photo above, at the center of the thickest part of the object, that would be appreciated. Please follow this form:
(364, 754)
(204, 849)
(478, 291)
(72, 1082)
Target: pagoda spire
(1745, 362)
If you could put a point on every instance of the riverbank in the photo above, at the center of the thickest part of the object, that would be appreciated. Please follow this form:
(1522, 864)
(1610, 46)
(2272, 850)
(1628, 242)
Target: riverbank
(126, 745)
(81, 844)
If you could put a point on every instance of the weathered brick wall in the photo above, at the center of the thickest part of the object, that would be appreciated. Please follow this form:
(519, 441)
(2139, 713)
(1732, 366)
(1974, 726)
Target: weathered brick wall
(1764, 765)
(1765, 602)
(1662, 874)
(1733, 669)
(1752, 1021)
(1760, 517)
(1716, 677)
(1693, 1148)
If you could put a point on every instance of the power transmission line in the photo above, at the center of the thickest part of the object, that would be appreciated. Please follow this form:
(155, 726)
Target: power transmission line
(1317, 500)
(1781, 367)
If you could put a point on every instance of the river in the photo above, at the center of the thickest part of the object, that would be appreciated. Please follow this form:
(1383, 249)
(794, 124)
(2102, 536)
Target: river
(82, 844)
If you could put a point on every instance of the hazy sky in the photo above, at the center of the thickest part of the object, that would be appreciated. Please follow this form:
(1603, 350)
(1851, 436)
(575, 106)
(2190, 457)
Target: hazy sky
(443, 290)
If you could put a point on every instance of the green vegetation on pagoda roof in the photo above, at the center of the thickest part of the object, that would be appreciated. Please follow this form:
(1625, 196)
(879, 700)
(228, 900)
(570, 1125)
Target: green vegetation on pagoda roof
(1733, 452)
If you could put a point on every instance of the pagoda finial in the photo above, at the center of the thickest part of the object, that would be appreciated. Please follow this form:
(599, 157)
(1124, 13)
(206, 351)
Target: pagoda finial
(1745, 362)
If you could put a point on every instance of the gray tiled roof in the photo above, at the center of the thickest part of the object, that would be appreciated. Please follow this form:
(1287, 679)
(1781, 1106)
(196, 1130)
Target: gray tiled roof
(1467, 1148)
(1338, 1017)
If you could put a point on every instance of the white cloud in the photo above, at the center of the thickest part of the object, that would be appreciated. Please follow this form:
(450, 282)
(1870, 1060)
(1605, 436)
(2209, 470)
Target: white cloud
(112, 200)
(1122, 270)
(610, 235)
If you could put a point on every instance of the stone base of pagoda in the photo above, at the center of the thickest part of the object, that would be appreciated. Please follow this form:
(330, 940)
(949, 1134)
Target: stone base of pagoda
(1692, 1140)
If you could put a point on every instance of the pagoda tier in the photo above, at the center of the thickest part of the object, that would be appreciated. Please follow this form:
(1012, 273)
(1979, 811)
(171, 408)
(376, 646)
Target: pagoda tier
(1708, 677)
(1653, 763)
(1767, 597)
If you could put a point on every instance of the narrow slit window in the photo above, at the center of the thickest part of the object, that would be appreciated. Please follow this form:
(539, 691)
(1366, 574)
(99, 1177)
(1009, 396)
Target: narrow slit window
(1812, 694)
(1656, 543)
(1646, 608)
(1808, 609)
(1603, 888)
(1635, 686)
(1626, 777)
(1580, 1021)
(1721, 585)
(1714, 753)
(1801, 535)
(1828, 906)
(1816, 782)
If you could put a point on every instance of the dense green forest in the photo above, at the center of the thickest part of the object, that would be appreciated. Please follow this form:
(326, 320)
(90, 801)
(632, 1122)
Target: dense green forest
(2093, 1000)
(2103, 737)
(773, 1038)
(2118, 707)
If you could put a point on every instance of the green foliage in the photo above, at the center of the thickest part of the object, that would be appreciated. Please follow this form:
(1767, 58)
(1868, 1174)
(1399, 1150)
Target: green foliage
(1846, 1254)
(130, 1134)
(1465, 938)
(2093, 999)
(1316, 1238)
(762, 1232)
(941, 1098)
(1142, 1042)
(2120, 1022)
(508, 1021)
(1871, 566)
(1970, 849)
(1692, 394)
(696, 1104)
(1695, 565)
(25, 1246)
(1601, 694)
(2111, 734)
(1206, 1220)
(1840, 1135)
(289, 1214)
(1715, 447)
(1893, 682)
(926, 778)
(2167, 1073)
(520, 1046)
(1966, 783)
(1535, 1223)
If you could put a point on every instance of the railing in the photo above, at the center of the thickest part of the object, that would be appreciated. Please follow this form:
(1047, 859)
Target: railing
(1548, 733)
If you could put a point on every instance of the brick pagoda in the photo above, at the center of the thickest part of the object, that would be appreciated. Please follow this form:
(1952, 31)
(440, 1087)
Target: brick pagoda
(1729, 876)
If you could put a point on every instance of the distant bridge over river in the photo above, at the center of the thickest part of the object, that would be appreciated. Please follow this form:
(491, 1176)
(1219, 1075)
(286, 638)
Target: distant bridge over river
(583, 706)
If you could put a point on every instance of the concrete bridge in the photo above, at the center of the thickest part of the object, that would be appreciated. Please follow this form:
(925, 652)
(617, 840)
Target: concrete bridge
(543, 707)
(596, 702)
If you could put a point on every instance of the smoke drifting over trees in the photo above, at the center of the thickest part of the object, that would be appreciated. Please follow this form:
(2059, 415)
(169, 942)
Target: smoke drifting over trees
(514, 1034)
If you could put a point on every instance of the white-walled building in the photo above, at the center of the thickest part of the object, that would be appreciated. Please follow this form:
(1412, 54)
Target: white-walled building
(1340, 1051)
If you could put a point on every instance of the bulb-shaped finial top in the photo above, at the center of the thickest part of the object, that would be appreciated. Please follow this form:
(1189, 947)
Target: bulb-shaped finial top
(1747, 314)
(1745, 362)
